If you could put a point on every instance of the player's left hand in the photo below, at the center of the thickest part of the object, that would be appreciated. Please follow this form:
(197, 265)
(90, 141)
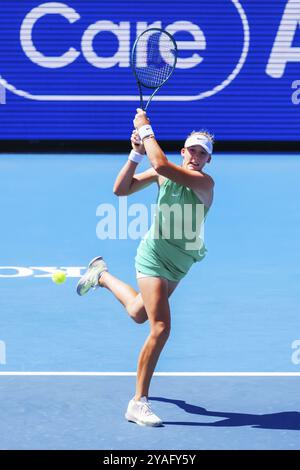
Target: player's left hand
(140, 119)
(136, 142)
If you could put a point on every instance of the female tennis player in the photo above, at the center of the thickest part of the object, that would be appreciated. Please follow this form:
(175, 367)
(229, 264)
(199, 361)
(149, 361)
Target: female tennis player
(163, 258)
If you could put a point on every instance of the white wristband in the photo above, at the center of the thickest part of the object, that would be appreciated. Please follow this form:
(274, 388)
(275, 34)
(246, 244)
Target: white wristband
(145, 131)
(135, 156)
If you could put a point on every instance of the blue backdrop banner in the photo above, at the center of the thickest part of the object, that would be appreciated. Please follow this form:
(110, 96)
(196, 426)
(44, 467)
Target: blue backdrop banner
(65, 69)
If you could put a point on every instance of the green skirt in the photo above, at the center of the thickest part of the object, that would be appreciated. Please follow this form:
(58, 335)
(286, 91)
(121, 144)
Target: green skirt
(160, 258)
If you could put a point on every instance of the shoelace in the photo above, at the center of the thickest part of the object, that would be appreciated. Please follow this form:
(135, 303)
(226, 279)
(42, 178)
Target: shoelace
(147, 408)
(93, 279)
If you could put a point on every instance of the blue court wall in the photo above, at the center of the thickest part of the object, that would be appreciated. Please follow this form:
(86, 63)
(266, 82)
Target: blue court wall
(66, 72)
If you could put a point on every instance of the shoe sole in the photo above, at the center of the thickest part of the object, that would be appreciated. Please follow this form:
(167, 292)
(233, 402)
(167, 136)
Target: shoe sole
(140, 423)
(79, 289)
(83, 277)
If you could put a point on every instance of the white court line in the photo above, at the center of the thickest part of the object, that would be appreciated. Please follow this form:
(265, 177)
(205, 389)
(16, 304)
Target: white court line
(157, 374)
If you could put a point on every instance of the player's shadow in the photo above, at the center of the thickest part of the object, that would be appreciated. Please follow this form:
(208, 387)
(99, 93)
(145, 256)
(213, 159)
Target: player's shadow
(284, 420)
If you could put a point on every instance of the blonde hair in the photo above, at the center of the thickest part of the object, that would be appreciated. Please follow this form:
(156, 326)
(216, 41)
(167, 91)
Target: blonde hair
(207, 134)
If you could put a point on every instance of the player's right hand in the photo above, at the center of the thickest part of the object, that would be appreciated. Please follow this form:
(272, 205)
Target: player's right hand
(136, 143)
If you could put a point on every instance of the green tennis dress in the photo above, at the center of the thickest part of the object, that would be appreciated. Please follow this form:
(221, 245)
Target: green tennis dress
(173, 242)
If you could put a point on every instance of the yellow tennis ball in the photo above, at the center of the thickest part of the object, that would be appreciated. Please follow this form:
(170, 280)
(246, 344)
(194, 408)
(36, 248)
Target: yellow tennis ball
(59, 277)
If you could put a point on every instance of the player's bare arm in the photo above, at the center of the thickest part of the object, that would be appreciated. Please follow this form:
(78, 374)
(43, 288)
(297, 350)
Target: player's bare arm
(199, 181)
(127, 182)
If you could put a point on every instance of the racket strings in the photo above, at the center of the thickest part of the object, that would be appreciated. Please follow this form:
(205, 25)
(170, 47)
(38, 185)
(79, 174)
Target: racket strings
(154, 59)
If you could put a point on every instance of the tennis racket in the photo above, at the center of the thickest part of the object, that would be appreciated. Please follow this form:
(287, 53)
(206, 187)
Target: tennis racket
(153, 60)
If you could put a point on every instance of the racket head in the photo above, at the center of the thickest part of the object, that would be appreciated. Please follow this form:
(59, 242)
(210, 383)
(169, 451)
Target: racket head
(153, 57)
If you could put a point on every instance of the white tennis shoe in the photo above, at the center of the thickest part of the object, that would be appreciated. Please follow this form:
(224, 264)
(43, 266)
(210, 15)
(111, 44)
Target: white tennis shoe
(139, 412)
(91, 277)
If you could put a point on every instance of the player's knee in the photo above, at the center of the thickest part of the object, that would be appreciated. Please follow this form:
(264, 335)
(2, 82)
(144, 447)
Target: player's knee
(139, 317)
(161, 330)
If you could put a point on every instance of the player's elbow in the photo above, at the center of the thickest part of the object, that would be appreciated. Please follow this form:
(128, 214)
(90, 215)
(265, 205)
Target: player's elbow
(160, 164)
(161, 168)
(116, 190)
(119, 191)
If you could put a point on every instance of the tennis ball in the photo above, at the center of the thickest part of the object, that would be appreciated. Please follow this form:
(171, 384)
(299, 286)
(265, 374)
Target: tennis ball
(59, 277)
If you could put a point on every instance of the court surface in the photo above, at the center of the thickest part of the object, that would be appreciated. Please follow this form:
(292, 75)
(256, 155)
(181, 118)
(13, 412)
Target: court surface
(235, 312)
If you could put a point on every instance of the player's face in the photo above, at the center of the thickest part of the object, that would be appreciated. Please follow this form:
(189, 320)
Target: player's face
(194, 157)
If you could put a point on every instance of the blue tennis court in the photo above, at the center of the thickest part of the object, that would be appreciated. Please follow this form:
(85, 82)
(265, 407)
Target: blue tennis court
(235, 313)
